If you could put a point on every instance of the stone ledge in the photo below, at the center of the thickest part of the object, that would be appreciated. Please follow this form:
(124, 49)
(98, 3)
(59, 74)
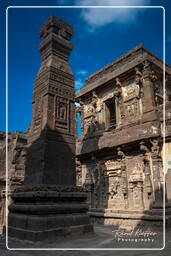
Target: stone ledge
(119, 137)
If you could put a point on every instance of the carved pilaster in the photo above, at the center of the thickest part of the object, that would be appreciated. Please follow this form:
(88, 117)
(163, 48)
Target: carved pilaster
(124, 180)
(157, 173)
(136, 188)
(89, 118)
(148, 99)
(147, 180)
(119, 102)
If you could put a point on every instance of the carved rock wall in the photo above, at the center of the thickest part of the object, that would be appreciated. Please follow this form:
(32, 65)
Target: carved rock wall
(120, 184)
(130, 178)
(17, 142)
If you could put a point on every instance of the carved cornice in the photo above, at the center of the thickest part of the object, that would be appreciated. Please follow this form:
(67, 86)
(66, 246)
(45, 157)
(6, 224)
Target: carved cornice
(120, 61)
(121, 65)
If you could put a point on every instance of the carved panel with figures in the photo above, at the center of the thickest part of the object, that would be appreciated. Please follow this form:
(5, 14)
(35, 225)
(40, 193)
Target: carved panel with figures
(130, 92)
(132, 110)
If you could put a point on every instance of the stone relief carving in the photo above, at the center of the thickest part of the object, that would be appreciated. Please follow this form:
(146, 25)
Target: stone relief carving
(91, 114)
(137, 196)
(132, 109)
(112, 164)
(158, 92)
(139, 76)
(114, 186)
(117, 181)
(78, 173)
(137, 174)
(128, 98)
(119, 100)
(155, 149)
(37, 114)
(136, 186)
(147, 180)
(130, 92)
(124, 180)
(62, 111)
(148, 188)
(149, 72)
(146, 68)
(98, 182)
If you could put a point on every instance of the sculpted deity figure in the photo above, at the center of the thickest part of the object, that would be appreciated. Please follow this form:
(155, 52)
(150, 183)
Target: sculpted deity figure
(93, 104)
(113, 190)
(120, 152)
(118, 95)
(138, 77)
(62, 111)
(95, 174)
(118, 83)
(155, 147)
(91, 123)
(153, 76)
(158, 91)
(119, 87)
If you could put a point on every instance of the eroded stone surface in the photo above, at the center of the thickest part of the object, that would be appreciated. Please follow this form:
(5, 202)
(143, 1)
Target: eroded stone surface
(120, 151)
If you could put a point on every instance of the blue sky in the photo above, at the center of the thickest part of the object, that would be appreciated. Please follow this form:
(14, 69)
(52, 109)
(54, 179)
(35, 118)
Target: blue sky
(100, 36)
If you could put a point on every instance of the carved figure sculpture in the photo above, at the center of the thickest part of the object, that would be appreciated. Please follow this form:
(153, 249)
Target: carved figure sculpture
(155, 147)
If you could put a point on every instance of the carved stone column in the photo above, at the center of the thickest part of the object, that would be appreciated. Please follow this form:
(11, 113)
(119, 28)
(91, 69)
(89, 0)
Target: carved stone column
(139, 82)
(157, 174)
(124, 178)
(119, 103)
(136, 187)
(148, 198)
(148, 91)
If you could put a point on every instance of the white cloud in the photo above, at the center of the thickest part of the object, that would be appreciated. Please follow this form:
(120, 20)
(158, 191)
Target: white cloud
(79, 82)
(96, 17)
(82, 72)
(80, 78)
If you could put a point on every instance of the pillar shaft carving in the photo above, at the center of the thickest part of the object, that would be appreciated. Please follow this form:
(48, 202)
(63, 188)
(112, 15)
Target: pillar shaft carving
(157, 172)
(148, 98)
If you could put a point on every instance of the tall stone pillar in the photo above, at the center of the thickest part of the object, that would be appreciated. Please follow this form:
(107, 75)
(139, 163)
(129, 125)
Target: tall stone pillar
(49, 204)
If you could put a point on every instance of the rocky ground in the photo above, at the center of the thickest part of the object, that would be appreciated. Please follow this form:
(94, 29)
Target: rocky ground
(104, 237)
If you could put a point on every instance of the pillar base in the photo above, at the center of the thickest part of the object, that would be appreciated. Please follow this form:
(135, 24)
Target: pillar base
(44, 213)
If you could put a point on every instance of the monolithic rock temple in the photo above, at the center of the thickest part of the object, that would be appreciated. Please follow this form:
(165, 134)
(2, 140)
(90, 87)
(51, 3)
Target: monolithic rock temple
(117, 174)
